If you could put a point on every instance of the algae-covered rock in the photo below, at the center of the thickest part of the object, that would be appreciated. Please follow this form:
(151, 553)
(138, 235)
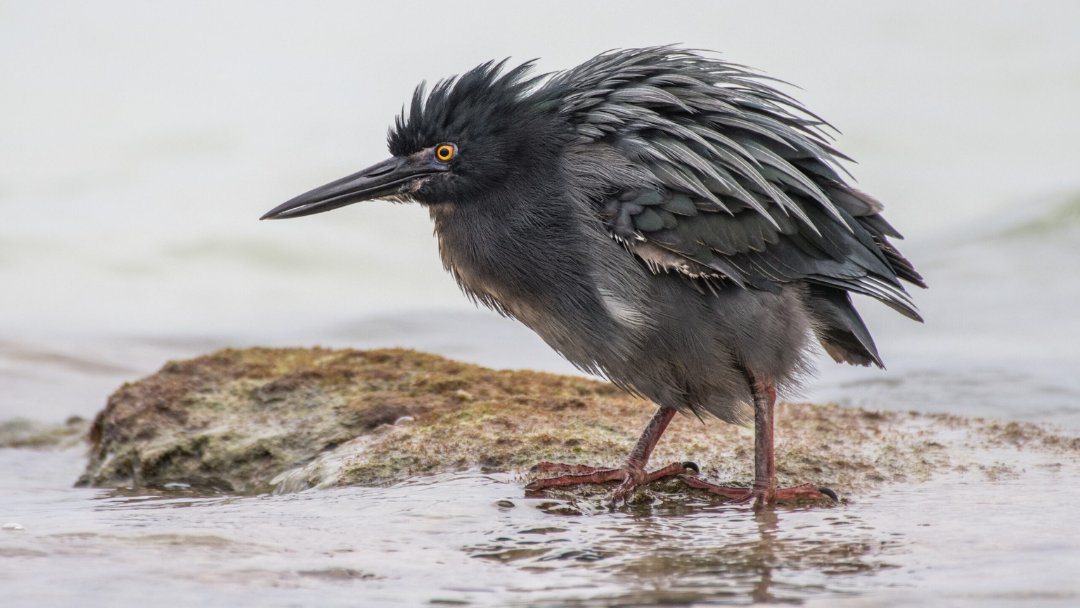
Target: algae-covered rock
(26, 433)
(262, 419)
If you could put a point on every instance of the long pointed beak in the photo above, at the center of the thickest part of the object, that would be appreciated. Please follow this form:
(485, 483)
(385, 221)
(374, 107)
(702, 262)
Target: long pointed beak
(389, 177)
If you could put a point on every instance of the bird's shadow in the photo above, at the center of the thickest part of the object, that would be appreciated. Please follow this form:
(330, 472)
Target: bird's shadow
(682, 547)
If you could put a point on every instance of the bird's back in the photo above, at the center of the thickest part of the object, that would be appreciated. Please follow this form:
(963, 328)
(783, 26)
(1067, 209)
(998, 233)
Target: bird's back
(736, 185)
(695, 227)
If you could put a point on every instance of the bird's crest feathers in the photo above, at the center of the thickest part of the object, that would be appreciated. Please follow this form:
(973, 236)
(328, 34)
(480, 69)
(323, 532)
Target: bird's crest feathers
(455, 105)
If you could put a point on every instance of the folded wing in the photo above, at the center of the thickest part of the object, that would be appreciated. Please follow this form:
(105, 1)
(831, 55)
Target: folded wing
(735, 184)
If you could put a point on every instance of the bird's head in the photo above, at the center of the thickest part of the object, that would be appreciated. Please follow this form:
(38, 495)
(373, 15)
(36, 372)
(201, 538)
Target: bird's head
(470, 135)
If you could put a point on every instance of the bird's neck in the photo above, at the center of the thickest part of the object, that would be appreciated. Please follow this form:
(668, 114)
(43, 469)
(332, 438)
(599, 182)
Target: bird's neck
(512, 247)
(543, 257)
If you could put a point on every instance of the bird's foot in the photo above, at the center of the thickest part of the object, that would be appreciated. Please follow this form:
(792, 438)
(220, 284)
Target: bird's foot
(763, 496)
(631, 477)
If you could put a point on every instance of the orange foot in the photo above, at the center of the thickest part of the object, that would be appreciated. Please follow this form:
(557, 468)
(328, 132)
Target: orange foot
(632, 478)
(805, 493)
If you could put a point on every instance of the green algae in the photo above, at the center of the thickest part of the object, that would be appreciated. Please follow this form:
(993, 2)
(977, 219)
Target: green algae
(276, 420)
(31, 434)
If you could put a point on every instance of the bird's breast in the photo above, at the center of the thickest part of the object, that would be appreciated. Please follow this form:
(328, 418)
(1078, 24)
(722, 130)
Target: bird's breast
(492, 262)
(580, 292)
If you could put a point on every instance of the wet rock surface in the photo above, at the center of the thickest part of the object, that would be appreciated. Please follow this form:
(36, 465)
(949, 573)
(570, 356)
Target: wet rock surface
(33, 434)
(280, 420)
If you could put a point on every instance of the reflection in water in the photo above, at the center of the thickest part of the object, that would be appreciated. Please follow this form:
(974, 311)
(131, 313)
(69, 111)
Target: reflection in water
(473, 539)
(675, 551)
(767, 524)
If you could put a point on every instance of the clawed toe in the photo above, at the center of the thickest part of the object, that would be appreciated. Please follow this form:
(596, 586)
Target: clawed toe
(573, 475)
(560, 468)
(732, 493)
(794, 495)
(805, 493)
(578, 474)
(632, 479)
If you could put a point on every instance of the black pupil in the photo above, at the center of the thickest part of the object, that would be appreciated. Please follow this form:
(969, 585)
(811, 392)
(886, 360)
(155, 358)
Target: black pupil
(445, 152)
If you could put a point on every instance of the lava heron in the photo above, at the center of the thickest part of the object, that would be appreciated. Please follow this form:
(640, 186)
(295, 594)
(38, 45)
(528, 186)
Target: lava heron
(660, 217)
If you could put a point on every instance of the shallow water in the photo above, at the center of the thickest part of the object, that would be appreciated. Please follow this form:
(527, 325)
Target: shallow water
(140, 142)
(472, 539)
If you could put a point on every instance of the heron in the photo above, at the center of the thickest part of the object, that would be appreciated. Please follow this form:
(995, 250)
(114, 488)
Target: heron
(661, 217)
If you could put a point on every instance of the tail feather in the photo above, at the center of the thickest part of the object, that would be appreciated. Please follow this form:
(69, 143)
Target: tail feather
(840, 329)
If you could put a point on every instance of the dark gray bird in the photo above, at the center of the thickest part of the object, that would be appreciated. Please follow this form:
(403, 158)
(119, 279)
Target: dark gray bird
(660, 217)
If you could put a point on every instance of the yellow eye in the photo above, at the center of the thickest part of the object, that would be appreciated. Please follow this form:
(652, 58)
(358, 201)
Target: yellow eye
(445, 152)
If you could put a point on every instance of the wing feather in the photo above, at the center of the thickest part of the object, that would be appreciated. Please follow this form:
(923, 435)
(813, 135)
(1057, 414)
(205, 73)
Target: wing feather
(741, 183)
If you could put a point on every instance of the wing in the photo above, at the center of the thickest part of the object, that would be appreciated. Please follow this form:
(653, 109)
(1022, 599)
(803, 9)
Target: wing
(735, 181)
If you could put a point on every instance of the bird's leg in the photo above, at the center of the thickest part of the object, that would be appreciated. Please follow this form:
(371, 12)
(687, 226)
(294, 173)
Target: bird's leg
(764, 491)
(764, 431)
(632, 474)
(639, 456)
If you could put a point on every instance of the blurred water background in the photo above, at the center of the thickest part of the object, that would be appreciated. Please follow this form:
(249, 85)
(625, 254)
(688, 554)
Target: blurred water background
(140, 142)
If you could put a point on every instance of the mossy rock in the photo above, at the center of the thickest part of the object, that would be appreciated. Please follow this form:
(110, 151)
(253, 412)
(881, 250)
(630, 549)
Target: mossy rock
(31, 434)
(261, 420)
